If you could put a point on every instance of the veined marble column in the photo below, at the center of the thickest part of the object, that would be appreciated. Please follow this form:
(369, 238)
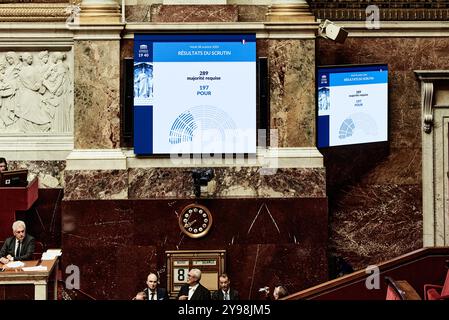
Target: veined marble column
(96, 168)
(289, 11)
(292, 74)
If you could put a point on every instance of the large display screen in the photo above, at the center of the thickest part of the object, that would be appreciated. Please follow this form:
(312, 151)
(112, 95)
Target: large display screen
(194, 93)
(352, 104)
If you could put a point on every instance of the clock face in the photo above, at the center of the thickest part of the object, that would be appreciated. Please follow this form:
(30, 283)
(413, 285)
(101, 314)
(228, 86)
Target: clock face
(195, 220)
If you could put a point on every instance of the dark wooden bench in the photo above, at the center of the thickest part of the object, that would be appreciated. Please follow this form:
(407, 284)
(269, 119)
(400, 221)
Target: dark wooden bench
(400, 290)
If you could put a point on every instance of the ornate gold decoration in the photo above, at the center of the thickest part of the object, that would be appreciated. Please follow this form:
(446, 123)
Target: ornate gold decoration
(290, 13)
(99, 13)
(34, 12)
(195, 220)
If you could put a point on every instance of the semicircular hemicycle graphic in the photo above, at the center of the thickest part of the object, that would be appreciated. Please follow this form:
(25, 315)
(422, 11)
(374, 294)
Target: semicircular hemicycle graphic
(186, 125)
(357, 122)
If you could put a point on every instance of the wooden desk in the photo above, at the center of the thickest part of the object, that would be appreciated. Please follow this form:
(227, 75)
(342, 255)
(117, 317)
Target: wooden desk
(407, 291)
(38, 278)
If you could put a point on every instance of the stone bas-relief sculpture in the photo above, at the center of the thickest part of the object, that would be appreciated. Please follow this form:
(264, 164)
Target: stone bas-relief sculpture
(36, 92)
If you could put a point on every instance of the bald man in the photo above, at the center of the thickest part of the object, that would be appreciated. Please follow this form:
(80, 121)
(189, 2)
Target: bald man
(152, 292)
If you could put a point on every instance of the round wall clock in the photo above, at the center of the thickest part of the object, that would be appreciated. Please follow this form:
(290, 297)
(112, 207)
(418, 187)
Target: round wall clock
(195, 220)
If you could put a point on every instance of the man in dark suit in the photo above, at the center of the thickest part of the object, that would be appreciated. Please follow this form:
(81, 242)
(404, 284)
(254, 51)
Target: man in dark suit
(17, 248)
(225, 292)
(193, 290)
(152, 292)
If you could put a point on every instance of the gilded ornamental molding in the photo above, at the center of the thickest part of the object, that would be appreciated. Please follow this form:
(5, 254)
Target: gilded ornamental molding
(34, 12)
(289, 13)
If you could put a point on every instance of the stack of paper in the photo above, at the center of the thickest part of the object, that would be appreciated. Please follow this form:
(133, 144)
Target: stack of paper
(36, 268)
(51, 254)
(15, 264)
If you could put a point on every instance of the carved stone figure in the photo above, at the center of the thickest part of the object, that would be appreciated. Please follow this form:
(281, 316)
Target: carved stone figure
(10, 82)
(28, 106)
(143, 82)
(36, 92)
(57, 82)
(7, 116)
(43, 57)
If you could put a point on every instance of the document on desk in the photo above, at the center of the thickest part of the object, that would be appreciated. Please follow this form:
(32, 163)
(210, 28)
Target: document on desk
(15, 264)
(36, 268)
(51, 254)
(56, 252)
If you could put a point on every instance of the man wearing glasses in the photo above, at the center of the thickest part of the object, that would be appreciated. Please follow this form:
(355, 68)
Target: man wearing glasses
(19, 247)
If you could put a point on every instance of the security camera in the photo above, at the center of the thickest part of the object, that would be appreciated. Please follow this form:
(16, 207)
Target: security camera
(201, 178)
(329, 30)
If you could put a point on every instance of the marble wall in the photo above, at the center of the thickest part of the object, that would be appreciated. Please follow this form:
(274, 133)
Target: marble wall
(172, 183)
(228, 182)
(292, 91)
(276, 241)
(375, 193)
(97, 105)
(252, 13)
(50, 173)
(195, 13)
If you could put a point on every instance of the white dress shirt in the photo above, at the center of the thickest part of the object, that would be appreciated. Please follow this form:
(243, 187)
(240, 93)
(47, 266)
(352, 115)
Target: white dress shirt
(192, 290)
(149, 295)
(226, 295)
